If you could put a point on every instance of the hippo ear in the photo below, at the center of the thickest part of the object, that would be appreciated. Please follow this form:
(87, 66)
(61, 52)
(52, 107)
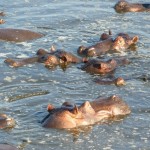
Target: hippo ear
(75, 110)
(53, 48)
(135, 39)
(50, 107)
(110, 33)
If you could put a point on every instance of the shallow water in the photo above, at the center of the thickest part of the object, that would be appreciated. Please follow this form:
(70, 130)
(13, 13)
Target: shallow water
(26, 91)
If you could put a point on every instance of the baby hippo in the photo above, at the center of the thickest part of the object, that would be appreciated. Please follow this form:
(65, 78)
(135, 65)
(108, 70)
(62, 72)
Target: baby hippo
(6, 122)
(87, 113)
(108, 44)
(123, 6)
(50, 59)
(95, 66)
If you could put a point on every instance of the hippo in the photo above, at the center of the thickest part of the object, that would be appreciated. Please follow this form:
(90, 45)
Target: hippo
(95, 66)
(117, 81)
(7, 147)
(6, 122)
(50, 59)
(18, 35)
(108, 44)
(123, 6)
(2, 13)
(87, 113)
(2, 21)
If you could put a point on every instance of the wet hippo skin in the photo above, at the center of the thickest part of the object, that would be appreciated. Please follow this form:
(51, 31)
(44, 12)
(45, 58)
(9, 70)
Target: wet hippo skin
(87, 113)
(108, 44)
(117, 81)
(7, 147)
(6, 122)
(18, 35)
(96, 66)
(50, 59)
(123, 6)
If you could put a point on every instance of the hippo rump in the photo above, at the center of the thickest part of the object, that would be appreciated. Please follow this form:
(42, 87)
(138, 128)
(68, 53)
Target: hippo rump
(88, 113)
(109, 44)
(6, 122)
(18, 35)
(96, 66)
(7, 147)
(50, 59)
(123, 6)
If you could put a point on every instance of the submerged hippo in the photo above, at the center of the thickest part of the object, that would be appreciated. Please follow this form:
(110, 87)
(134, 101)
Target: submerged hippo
(7, 147)
(2, 13)
(124, 6)
(117, 81)
(87, 113)
(108, 44)
(2, 21)
(6, 122)
(50, 59)
(18, 35)
(95, 66)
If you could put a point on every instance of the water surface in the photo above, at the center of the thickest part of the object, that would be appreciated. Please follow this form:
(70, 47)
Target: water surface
(26, 91)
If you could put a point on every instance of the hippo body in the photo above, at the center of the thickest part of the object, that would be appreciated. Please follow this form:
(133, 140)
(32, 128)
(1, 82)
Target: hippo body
(18, 35)
(108, 44)
(7, 147)
(123, 6)
(50, 59)
(87, 113)
(6, 122)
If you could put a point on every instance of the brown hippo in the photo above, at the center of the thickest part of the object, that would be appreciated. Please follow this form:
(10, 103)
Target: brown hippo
(120, 43)
(18, 35)
(87, 114)
(95, 66)
(50, 59)
(6, 122)
(7, 147)
(117, 81)
(2, 21)
(124, 6)
(2, 13)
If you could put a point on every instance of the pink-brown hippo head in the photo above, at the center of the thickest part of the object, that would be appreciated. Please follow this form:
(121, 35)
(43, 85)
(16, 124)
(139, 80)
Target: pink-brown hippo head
(123, 42)
(6, 122)
(100, 67)
(123, 6)
(88, 113)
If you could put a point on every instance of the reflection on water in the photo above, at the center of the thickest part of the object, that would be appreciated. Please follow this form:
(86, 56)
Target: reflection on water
(26, 91)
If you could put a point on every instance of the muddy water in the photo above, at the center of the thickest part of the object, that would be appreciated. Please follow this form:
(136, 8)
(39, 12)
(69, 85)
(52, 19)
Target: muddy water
(26, 91)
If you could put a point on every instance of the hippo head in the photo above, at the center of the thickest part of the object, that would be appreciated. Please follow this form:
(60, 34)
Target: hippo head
(119, 107)
(6, 122)
(122, 43)
(121, 6)
(64, 118)
(51, 61)
(119, 81)
(82, 50)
